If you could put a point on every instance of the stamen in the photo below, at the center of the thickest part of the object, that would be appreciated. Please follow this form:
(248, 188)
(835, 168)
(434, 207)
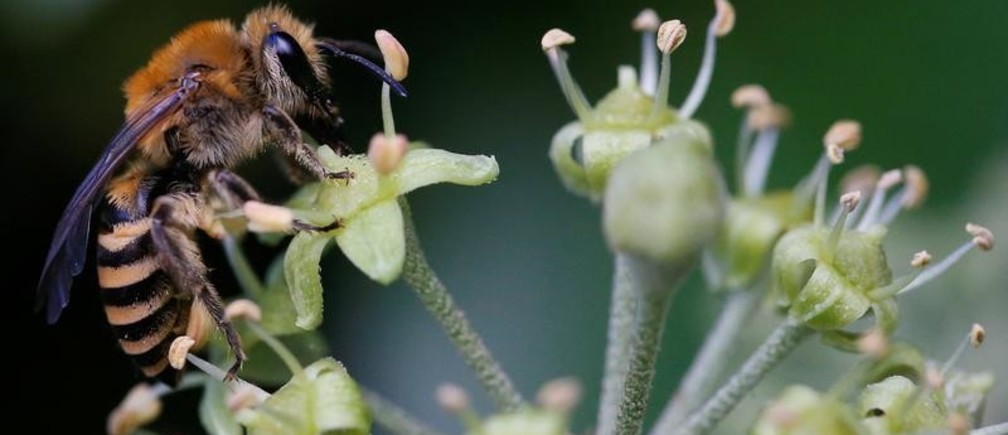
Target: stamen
(971, 338)
(921, 259)
(560, 395)
(454, 400)
(912, 194)
(767, 120)
(243, 309)
(671, 35)
(977, 335)
(141, 405)
(861, 179)
(749, 97)
(981, 237)
(387, 153)
(647, 22)
(395, 56)
(179, 350)
(886, 181)
(268, 218)
(845, 133)
(551, 43)
(721, 25)
(848, 202)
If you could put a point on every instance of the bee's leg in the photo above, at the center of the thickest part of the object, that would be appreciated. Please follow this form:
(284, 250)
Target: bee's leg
(288, 136)
(232, 189)
(172, 217)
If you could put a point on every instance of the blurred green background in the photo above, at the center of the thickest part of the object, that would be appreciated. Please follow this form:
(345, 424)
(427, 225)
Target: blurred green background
(524, 258)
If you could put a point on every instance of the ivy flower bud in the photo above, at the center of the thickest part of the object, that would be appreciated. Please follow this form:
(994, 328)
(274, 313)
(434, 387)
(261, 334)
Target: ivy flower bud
(664, 203)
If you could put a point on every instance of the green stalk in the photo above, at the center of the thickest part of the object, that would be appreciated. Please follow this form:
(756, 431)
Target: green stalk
(277, 347)
(622, 316)
(781, 342)
(418, 274)
(393, 418)
(699, 380)
(247, 278)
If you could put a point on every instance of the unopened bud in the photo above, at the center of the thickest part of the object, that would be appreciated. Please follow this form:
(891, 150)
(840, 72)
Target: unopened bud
(845, 134)
(560, 395)
(671, 35)
(386, 154)
(768, 116)
(874, 344)
(977, 335)
(921, 259)
(452, 398)
(646, 21)
(179, 350)
(140, 406)
(555, 38)
(395, 56)
(726, 17)
(982, 237)
(850, 200)
(917, 186)
(243, 309)
(268, 218)
(750, 96)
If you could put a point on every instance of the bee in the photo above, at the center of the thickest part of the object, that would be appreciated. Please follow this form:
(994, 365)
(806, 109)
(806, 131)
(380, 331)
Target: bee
(212, 97)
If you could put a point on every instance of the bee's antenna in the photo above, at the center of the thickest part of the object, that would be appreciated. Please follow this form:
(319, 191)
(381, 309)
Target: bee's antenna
(340, 49)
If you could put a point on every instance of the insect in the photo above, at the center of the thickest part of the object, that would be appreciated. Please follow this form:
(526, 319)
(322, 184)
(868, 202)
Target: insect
(214, 96)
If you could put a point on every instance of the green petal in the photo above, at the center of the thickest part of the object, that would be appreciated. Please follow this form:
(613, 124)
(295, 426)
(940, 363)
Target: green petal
(374, 241)
(429, 166)
(301, 270)
(322, 398)
(214, 413)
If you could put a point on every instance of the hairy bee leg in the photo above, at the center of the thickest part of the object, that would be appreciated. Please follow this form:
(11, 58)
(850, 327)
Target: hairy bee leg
(282, 128)
(171, 217)
(232, 188)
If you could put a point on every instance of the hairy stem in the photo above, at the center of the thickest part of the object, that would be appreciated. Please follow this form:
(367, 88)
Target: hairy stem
(418, 274)
(781, 342)
(699, 380)
(393, 418)
(654, 285)
(622, 315)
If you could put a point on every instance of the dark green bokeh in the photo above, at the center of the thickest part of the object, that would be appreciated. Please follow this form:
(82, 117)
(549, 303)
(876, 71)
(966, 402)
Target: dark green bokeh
(522, 256)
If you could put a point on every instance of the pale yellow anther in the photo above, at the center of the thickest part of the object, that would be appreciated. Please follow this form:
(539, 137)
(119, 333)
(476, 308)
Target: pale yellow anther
(850, 200)
(982, 237)
(921, 259)
(874, 344)
(934, 378)
(750, 96)
(452, 398)
(268, 218)
(768, 116)
(957, 424)
(917, 186)
(395, 56)
(646, 21)
(890, 178)
(977, 335)
(243, 309)
(140, 406)
(179, 350)
(835, 154)
(726, 17)
(559, 395)
(671, 35)
(242, 396)
(861, 179)
(385, 154)
(555, 38)
(844, 133)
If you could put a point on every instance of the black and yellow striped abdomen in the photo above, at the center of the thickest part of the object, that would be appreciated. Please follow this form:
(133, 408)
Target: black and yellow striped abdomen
(145, 311)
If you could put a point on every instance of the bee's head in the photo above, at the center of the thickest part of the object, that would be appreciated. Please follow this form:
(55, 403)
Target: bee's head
(289, 65)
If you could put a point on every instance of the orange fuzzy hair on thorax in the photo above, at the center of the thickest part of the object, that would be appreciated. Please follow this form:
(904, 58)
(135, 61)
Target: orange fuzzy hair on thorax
(215, 44)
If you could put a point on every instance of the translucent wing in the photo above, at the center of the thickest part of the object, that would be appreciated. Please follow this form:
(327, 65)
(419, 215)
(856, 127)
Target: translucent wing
(67, 252)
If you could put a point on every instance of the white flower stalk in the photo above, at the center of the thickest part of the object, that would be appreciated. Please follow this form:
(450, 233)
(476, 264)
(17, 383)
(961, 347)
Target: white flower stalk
(647, 22)
(721, 25)
(671, 35)
(888, 180)
(767, 120)
(397, 65)
(981, 238)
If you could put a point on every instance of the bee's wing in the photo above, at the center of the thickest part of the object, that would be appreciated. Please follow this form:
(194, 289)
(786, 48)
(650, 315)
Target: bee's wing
(67, 252)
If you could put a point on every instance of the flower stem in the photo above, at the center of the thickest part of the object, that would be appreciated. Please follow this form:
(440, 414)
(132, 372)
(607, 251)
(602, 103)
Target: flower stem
(247, 278)
(780, 343)
(393, 418)
(699, 380)
(654, 286)
(388, 123)
(432, 293)
(285, 354)
(622, 312)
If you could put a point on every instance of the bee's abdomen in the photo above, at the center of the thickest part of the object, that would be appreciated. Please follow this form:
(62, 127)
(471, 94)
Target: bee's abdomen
(145, 312)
